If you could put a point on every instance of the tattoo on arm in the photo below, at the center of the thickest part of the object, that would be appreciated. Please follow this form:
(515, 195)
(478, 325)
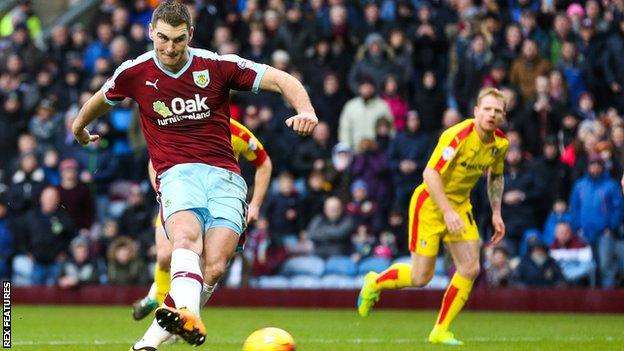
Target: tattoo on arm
(495, 185)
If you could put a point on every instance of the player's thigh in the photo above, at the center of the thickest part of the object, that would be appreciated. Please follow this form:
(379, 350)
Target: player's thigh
(425, 225)
(227, 200)
(185, 229)
(466, 257)
(423, 268)
(163, 247)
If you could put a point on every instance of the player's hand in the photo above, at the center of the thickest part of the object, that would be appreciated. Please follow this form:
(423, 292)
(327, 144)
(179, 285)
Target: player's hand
(454, 222)
(253, 212)
(84, 137)
(303, 123)
(499, 229)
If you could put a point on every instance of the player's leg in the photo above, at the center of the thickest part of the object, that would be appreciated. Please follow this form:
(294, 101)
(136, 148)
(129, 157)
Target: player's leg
(185, 229)
(180, 313)
(425, 224)
(466, 258)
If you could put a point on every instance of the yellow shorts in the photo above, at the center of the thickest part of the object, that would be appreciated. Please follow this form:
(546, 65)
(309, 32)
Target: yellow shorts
(427, 227)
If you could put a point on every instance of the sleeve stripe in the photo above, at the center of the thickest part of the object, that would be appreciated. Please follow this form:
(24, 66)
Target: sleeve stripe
(260, 70)
(459, 137)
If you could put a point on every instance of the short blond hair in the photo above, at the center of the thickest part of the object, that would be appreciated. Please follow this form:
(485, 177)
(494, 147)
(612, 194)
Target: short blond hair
(491, 92)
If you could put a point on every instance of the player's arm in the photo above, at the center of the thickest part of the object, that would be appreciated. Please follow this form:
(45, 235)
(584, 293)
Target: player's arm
(296, 95)
(95, 107)
(495, 186)
(262, 180)
(453, 221)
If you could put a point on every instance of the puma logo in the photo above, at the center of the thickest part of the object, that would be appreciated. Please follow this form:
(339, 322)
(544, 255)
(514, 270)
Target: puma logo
(148, 83)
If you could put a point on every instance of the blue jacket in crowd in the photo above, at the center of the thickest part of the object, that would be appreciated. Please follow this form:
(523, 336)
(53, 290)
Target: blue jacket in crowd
(596, 205)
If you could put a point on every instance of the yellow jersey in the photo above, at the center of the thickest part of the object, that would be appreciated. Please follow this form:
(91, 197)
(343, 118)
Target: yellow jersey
(462, 158)
(246, 144)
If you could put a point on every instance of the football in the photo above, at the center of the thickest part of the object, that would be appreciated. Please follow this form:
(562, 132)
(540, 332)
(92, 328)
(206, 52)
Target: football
(269, 339)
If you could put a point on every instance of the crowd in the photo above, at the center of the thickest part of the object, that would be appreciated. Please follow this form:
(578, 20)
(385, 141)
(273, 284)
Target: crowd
(385, 77)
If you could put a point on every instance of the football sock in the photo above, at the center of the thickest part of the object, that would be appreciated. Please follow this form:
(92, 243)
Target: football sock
(206, 293)
(454, 299)
(397, 276)
(154, 336)
(162, 279)
(186, 279)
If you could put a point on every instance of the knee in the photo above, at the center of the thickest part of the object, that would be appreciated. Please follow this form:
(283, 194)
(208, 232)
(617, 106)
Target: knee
(420, 279)
(470, 270)
(214, 270)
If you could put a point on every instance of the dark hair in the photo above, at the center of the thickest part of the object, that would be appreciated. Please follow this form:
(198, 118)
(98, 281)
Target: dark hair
(173, 13)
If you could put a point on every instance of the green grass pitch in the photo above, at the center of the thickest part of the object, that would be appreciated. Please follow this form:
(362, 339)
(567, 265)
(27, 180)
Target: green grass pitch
(112, 328)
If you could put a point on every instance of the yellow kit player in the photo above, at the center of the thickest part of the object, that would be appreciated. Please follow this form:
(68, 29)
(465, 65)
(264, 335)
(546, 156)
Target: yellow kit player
(440, 210)
(245, 144)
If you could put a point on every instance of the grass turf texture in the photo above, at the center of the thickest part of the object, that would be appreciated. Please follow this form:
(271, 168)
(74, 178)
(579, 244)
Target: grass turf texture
(112, 328)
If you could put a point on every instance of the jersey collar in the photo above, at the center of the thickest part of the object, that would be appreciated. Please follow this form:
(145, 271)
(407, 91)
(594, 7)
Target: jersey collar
(181, 71)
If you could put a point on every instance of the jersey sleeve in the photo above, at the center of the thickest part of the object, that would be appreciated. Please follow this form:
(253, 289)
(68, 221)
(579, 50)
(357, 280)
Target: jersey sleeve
(119, 86)
(251, 148)
(242, 74)
(448, 147)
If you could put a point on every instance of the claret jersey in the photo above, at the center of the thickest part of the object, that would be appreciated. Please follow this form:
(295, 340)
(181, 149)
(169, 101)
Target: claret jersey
(185, 115)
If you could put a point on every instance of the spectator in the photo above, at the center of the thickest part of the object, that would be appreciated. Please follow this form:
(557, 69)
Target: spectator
(539, 119)
(596, 209)
(573, 255)
(125, 267)
(99, 48)
(430, 103)
(76, 197)
(527, 68)
(407, 157)
(45, 125)
(329, 102)
(45, 233)
(360, 114)
(282, 211)
(80, 268)
(22, 14)
(497, 269)
(136, 220)
(313, 200)
(596, 202)
(295, 34)
(362, 243)
(331, 229)
(26, 184)
(521, 194)
(361, 208)
(472, 67)
(375, 64)
(396, 102)
(537, 269)
(549, 168)
(371, 165)
(313, 154)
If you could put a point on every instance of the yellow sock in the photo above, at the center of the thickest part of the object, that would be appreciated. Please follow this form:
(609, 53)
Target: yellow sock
(162, 279)
(454, 299)
(397, 276)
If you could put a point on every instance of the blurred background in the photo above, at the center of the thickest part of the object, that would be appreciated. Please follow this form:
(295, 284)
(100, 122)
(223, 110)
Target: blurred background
(386, 77)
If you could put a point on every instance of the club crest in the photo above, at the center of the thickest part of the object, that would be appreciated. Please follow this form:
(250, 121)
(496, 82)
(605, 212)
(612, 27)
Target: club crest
(201, 78)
